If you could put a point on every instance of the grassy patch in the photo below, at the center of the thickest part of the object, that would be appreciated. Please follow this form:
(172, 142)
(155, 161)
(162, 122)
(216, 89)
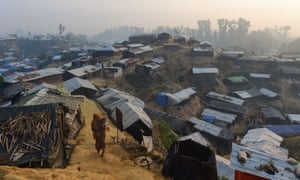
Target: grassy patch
(138, 81)
(293, 145)
(167, 135)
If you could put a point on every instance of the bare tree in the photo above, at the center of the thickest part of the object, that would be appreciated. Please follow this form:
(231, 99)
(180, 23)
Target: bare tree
(61, 29)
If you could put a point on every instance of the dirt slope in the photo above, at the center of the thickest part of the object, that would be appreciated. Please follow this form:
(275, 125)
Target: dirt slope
(85, 163)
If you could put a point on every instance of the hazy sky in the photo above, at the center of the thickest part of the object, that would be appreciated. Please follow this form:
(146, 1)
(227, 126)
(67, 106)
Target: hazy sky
(93, 16)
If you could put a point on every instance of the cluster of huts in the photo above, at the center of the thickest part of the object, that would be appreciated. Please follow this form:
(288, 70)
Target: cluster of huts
(39, 118)
(262, 157)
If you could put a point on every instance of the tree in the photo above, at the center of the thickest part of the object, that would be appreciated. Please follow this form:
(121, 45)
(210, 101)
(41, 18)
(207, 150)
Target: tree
(205, 31)
(243, 28)
(1, 79)
(223, 27)
(61, 29)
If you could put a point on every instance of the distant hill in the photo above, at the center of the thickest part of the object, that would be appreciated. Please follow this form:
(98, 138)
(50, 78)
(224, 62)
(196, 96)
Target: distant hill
(35, 47)
(294, 46)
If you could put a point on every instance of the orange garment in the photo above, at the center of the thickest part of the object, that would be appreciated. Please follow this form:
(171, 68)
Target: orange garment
(98, 127)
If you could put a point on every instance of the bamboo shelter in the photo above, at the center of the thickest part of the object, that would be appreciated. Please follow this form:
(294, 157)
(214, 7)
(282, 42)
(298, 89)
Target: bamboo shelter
(32, 136)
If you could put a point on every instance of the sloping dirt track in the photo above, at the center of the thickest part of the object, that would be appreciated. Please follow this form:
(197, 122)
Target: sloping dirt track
(85, 163)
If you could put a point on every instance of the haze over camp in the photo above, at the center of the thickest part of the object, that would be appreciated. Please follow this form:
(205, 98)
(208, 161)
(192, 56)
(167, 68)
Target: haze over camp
(149, 90)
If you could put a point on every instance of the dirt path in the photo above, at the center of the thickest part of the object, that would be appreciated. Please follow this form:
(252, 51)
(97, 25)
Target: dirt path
(85, 163)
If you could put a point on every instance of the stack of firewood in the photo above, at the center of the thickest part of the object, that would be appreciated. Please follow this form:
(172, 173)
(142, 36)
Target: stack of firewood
(25, 133)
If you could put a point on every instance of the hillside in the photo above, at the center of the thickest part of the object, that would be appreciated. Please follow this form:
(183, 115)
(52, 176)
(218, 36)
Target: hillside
(117, 163)
(174, 75)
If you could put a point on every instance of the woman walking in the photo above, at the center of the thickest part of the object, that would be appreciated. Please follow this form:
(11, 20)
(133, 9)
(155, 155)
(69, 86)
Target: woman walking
(99, 125)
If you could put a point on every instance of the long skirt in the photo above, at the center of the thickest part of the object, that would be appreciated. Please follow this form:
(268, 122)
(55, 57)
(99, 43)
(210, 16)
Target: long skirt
(100, 141)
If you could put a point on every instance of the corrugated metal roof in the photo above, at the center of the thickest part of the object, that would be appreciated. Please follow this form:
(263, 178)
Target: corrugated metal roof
(257, 160)
(180, 96)
(152, 65)
(208, 70)
(132, 114)
(268, 93)
(289, 70)
(137, 45)
(196, 137)
(102, 48)
(205, 43)
(33, 75)
(71, 102)
(205, 127)
(84, 70)
(228, 53)
(228, 107)
(270, 112)
(243, 94)
(294, 118)
(225, 98)
(76, 83)
(226, 117)
(250, 93)
(57, 57)
(184, 94)
(206, 49)
(211, 129)
(223, 167)
(158, 60)
(112, 97)
(260, 75)
(141, 50)
(39, 87)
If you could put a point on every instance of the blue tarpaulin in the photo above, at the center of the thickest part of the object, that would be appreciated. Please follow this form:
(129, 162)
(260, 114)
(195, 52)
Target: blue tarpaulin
(209, 119)
(161, 99)
(285, 130)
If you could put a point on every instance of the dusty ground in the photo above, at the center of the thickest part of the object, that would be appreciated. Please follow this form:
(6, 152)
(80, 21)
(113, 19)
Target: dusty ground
(85, 163)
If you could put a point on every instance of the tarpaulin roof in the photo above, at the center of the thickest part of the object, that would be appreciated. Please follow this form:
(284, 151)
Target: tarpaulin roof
(225, 98)
(285, 130)
(262, 134)
(190, 158)
(265, 140)
(31, 134)
(226, 117)
(237, 79)
(228, 107)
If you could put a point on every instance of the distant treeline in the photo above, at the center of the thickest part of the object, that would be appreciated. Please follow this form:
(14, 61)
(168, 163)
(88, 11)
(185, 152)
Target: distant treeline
(230, 34)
